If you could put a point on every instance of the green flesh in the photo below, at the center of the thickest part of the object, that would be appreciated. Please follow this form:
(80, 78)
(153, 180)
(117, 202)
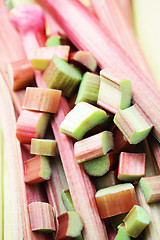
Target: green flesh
(136, 220)
(122, 235)
(89, 88)
(67, 200)
(145, 189)
(55, 41)
(114, 189)
(97, 167)
(132, 124)
(45, 172)
(75, 225)
(81, 119)
(105, 181)
(126, 94)
(62, 76)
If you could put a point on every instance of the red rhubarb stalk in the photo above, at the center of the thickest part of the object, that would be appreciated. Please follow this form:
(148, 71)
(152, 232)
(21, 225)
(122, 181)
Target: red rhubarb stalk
(106, 51)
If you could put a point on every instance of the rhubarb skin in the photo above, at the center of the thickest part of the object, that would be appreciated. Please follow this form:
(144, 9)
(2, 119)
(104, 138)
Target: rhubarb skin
(41, 217)
(40, 99)
(115, 200)
(150, 187)
(37, 170)
(83, 195)
(31, 125)
(107, 53)
(40, 57)
(70, 226)
(45, 147)
(131, 166)
(22, 74)
(92, 147)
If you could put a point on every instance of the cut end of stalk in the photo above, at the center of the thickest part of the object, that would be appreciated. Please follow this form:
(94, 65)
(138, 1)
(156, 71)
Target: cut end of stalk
(81, 119)
(133, 123)
(61, 75)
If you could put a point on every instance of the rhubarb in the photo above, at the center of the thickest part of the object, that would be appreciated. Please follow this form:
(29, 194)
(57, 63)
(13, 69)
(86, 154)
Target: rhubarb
(92, 147)
(106, 51)
(70, 225)
(40, 99)
(84, 58)
(41, 217)
(81, 119)
(1, 181)
(41, 57)
(150, 187)
(61, 75)
(122, 235)
(31, 125)
(131, 166)
(116, 199)
(37, 170)
(133, 123)
(136, 221)
(45, 147)
(88, 89)
(55, 41)
(114, 93)
(99, 166)
(67, 200)
(109, 179)
(21, 74)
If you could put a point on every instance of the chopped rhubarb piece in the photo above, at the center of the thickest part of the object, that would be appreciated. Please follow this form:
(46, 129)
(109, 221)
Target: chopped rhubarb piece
(93, 147)
(133, 123)
(136, 221)
(99, 166)
(31, 125)
(81, 119)
(56, 41)
(155, 151)
(89, 88)
(115, 92)
(150, 187)
(41, 217)
(45, 147)
(37, 170)
(131, 166)
(120, 142)
(86, 59)
(21, 74)
(41, 99)
(122, 234)
(67, 200)
(70, 225)
(61, 75)
(116, 199)
(108, 180)
(153, 229)
(41, 57)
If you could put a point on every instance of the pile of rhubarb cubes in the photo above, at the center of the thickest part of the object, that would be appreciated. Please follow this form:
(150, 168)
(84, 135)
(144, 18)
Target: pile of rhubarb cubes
(79, 124)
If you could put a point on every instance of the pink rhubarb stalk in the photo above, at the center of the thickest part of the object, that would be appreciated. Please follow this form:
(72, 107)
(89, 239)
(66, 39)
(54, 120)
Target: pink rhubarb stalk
(106, 51)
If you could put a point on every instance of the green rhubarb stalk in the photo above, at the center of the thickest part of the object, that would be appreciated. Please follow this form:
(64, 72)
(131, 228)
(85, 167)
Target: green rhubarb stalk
(89, 88)
(133, 123)
(136, 221)
(55, 41)
(109, 179)
(61, 75)
(81, 119)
